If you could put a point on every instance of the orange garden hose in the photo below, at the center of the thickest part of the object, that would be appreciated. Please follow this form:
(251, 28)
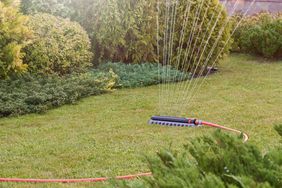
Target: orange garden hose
(83, 180)
(127, 177)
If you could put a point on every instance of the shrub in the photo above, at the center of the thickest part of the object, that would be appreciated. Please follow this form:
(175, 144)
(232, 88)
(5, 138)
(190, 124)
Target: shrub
(55, 7)
(59, 46)
(124, 31)
(14, 36)
(35, 94)
(206, 35)
(145, 74)
(215, 161)
(121, 30)
(31, 94)
(260, 35)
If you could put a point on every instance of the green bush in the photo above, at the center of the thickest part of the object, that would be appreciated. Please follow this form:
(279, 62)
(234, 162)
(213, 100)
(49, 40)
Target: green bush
(260, 35)
(126, 30)
(31, 94)
(60, 8)
(121, 30)
(35, 94)
(13, 37)
(217, 161)
(80, 11)
(145, 74)
(59, 46)
(206, 35)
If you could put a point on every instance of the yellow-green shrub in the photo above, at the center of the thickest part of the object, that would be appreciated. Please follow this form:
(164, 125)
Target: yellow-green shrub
(59, 46)
(13, 36)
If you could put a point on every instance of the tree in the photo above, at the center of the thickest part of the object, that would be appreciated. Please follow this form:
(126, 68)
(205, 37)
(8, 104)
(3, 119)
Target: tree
(13, 37)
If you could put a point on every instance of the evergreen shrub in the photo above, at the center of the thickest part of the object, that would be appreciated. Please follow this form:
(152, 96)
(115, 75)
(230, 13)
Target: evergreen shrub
(35, 94)
(203, 41)
(13, 37)
(260, 35)
(219, 160)
(145, 74)
(126, 30)
(60, 8)
(59, 46)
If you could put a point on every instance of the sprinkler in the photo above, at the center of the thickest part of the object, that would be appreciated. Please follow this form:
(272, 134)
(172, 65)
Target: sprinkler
(190, 122)
(174, 121)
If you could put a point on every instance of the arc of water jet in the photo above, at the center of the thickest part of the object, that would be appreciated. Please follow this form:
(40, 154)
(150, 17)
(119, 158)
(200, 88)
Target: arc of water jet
(210, 54)
(171, 46)
(192, 33)
(225, 45)
(188, 84)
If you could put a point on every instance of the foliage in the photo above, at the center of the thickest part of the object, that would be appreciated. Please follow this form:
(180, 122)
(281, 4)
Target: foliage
(145, 74)
(55, 7)
(59, 46)
(126, 30)
(13, 36)
(217, 161)
(31, 94)
(278, 128)
(201, 37)
(121, 30)
(80, 11)
(260, 34)
(113, 126)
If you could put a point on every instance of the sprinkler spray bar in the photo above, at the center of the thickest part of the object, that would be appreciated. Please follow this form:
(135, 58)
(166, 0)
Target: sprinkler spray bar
(190, 122)
(174, 121)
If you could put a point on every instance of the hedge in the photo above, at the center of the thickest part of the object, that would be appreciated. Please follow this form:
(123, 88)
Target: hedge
(145, 74)
(36, 94)
(31, 93)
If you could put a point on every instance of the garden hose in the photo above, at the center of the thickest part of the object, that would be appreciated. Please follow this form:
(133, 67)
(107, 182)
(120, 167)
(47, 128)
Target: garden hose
(161, 120)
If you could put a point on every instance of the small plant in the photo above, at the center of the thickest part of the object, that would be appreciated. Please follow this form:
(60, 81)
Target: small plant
(145, 74)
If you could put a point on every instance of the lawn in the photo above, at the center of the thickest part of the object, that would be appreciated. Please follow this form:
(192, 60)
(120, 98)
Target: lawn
(108, 135)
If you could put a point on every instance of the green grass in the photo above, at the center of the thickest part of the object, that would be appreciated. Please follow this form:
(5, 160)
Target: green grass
(108, 135)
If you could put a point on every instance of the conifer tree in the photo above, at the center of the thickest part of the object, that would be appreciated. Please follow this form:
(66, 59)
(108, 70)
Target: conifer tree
(13, 36)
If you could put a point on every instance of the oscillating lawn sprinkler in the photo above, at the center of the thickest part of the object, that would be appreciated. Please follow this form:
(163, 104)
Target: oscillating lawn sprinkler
(190, 122)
